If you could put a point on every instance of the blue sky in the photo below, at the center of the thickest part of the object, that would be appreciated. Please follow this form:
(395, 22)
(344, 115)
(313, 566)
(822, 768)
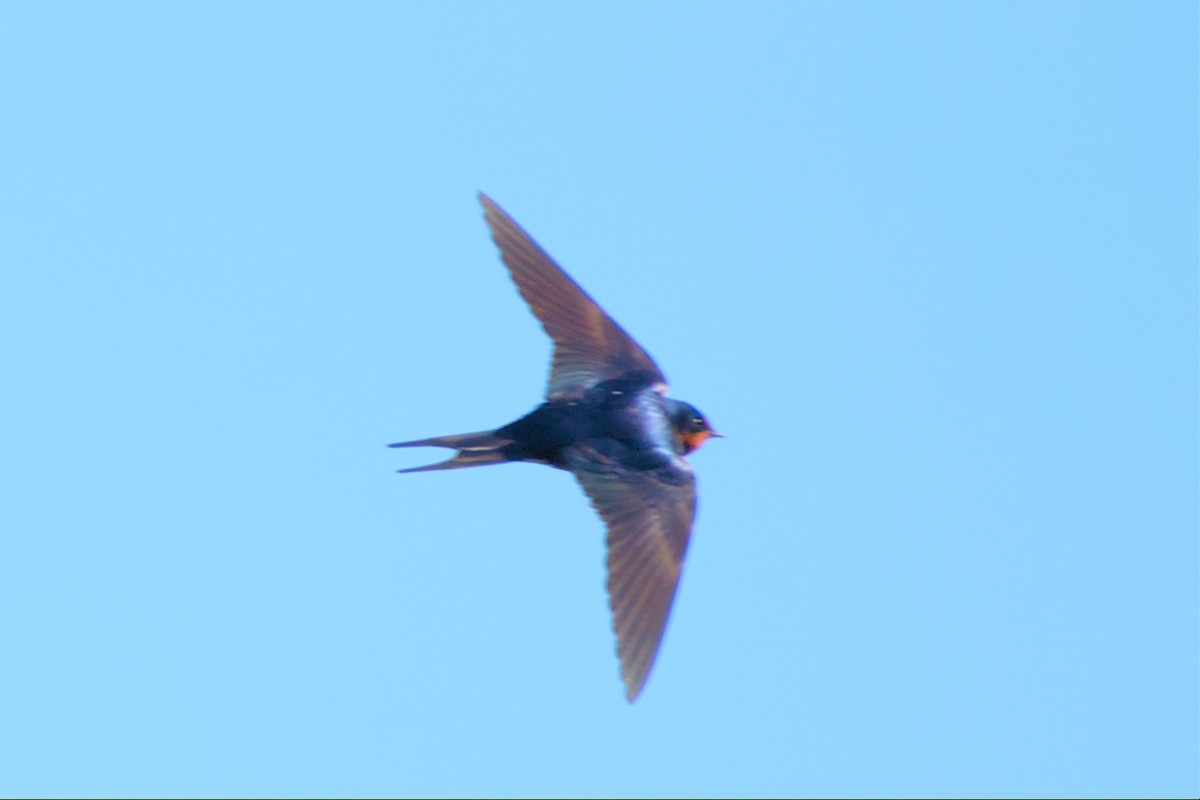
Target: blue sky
(932, 267)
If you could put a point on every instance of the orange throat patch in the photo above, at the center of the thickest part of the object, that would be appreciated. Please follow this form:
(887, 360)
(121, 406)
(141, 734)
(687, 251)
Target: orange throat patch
(692, 441)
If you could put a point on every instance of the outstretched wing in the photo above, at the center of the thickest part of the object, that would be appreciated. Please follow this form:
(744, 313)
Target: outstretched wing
(589, 346)
(649, 514)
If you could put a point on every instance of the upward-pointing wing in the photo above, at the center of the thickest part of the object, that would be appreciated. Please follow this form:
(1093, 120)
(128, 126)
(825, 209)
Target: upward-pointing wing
(589, 346)
(649, 514)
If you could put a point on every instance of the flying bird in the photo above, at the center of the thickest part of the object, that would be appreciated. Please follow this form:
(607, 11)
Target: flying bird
(608, 421)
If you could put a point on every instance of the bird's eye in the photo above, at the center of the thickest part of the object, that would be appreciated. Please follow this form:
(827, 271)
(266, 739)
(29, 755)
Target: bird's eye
(698, 422)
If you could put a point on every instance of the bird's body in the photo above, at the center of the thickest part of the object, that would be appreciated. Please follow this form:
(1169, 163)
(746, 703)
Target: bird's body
(628, 423)
(607, 420)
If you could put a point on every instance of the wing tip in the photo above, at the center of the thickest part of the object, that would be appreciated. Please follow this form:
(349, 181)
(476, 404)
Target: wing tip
(489, 205)
(633, 689)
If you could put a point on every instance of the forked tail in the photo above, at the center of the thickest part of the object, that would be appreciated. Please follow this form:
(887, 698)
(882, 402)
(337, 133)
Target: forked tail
(474, 450)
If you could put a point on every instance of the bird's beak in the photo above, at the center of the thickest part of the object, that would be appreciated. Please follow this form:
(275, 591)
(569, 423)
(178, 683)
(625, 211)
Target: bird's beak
(715, 435)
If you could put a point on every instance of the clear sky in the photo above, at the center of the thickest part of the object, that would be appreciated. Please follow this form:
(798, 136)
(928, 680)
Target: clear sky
(932, 267)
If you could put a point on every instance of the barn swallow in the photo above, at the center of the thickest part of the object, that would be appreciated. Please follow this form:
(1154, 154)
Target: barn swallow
(608, 421)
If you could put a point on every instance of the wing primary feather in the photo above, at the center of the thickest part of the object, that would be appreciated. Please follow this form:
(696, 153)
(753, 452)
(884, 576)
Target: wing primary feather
(649, 516)
(589, 346)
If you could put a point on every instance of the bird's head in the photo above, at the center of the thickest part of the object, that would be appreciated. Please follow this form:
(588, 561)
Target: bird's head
(690, 425)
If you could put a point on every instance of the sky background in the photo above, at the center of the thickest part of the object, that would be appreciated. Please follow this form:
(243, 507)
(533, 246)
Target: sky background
(932, 267)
